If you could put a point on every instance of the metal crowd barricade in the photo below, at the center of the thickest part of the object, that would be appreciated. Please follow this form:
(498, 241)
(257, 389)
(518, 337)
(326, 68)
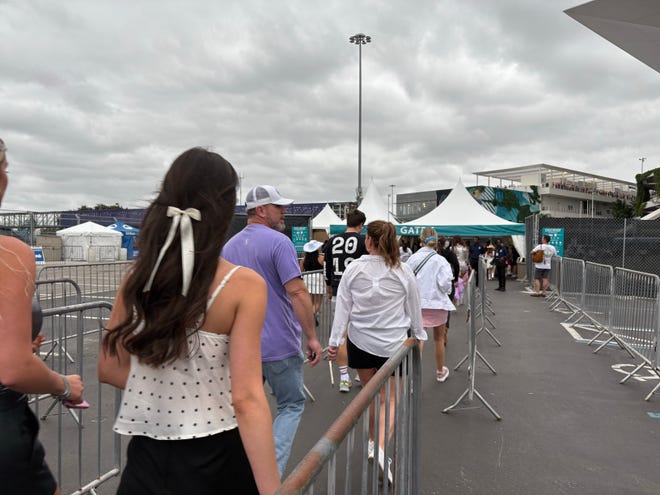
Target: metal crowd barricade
(56, 293)
(345, 442)
(76, 443)
(554, 280)
(478, 308)
(96, 280)
(635, 318)
(597, 302)
(473, 296)
(572, 286)
(484, 306)
(315, 282)
(598, 281)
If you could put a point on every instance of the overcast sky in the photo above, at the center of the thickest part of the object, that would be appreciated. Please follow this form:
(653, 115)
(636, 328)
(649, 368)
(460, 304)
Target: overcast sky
(98, 97)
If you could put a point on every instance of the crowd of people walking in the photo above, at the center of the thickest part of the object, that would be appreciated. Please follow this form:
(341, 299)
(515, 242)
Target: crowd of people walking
(199, 325)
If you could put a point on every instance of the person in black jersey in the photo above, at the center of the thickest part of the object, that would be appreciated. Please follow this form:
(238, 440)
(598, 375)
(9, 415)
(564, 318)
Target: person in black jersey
(339, 251)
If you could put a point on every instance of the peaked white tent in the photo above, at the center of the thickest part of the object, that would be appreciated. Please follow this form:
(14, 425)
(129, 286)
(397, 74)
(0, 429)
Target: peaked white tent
(90, 241)
(325, 218)
(373, 207)
(462, 215)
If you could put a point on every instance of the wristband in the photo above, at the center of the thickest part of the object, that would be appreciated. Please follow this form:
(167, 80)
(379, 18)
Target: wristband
(67, 389)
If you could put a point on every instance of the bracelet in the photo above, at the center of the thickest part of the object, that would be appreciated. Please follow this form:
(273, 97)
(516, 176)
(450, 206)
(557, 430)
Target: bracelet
(67, 389)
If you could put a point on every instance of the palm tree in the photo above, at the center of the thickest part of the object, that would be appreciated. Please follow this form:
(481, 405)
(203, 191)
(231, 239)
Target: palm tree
(621, 209)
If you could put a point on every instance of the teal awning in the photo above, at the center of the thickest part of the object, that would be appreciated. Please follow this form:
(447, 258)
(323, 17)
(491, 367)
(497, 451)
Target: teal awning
(452, 230)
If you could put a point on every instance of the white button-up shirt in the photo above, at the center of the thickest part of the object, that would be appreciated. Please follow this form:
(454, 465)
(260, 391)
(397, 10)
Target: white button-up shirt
(378, 305)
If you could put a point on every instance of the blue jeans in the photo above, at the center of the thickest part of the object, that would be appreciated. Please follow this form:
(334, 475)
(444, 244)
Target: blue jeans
(285, 378)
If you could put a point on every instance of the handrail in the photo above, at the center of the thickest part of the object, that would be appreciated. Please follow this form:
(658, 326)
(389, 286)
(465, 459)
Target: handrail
(321, 453)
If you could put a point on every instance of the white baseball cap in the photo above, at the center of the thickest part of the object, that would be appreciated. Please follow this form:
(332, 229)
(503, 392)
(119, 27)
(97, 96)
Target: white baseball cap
(265, 195)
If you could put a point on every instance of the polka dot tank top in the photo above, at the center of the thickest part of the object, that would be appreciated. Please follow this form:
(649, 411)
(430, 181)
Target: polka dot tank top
(188, 398)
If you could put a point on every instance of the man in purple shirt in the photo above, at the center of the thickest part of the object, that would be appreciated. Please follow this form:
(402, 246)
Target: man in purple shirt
(263, 247)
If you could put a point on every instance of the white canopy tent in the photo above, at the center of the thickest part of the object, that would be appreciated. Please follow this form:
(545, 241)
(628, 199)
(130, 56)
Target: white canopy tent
(462, 215)
(325, 218)
(373, 207)
(90, 241)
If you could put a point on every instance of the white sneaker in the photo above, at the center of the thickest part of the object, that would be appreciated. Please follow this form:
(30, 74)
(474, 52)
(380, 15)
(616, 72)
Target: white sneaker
(345, 385)
(381, 465)
(370, 451)
(441, 376)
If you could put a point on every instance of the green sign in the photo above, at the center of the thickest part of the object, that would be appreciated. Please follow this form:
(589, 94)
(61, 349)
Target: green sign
(556, 238)
(300, 237)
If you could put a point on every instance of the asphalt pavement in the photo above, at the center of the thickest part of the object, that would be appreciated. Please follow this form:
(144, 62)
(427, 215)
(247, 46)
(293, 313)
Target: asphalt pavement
(567, 425)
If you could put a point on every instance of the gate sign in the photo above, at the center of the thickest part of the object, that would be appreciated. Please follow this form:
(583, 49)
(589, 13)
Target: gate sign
(556, 238)
(299, 236)
(39, 255)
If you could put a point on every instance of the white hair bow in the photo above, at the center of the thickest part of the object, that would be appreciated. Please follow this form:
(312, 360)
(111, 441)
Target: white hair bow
(182, 217)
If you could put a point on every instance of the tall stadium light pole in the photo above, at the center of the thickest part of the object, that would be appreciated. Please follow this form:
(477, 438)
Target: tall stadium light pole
(359, 39)
(643, 159)
(392, 186)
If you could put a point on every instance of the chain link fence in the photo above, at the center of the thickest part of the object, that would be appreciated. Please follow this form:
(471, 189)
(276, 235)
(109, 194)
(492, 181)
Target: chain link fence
(625, 243)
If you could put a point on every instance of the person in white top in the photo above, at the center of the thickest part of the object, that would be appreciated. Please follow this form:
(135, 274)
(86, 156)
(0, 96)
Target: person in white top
(378, 302)
(542, 269)
(490, 267)
(462, 253)
(434, 279)
(186, 352)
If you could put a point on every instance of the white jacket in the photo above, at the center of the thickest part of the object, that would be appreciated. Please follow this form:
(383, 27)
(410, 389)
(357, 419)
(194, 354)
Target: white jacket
(434, 279)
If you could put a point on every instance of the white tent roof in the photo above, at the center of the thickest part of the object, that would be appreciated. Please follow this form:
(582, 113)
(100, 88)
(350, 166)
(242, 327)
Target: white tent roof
(88, 228)
(373, 206)
(462, 211)
(325, 218)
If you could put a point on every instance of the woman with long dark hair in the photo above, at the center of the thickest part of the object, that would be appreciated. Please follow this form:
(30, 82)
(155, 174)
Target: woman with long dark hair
(23, 468)
(378, 302)
(183, 342)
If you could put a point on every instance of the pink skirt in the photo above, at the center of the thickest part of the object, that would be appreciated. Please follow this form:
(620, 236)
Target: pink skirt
(434, 317)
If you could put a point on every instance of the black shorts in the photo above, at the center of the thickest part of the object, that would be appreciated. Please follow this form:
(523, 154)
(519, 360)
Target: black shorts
(207, 465)
(23, 467)
(359, 359)
(541, 273)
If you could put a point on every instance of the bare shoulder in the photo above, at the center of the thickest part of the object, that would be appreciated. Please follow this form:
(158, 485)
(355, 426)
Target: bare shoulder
(242, 276)
(16, 256)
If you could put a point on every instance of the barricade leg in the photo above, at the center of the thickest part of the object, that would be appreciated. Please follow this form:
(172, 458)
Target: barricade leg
(639, 367)
(655, 389)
